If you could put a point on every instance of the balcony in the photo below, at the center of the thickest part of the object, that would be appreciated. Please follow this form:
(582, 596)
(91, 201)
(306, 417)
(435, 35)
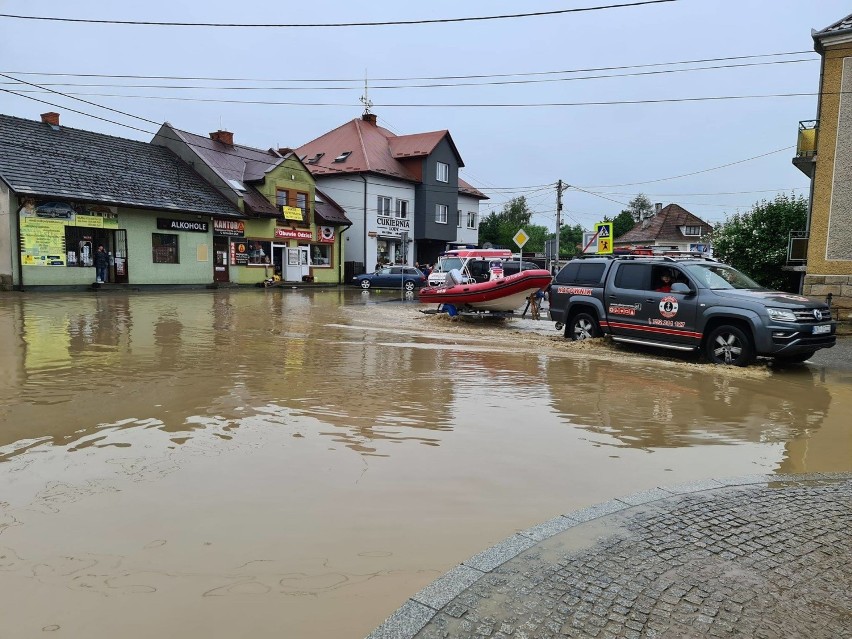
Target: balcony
(806, 147)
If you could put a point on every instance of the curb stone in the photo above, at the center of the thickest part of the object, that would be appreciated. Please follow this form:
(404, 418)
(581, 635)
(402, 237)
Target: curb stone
(422, 607)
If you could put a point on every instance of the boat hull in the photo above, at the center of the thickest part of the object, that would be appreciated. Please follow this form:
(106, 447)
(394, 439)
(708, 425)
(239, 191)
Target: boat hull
(503, 294)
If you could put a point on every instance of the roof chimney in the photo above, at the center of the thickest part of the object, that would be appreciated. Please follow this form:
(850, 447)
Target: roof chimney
(658, 207)
(225, 137)
(51, 118)
(369, 117)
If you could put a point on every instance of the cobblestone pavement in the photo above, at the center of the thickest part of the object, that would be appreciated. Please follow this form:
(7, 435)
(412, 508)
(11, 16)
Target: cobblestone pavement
(738, 558)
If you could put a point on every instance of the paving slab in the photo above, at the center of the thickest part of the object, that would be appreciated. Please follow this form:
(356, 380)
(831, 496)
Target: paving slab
(763, 556)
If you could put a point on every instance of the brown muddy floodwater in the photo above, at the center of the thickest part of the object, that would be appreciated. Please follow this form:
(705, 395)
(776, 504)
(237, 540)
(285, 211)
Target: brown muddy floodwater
(281, 463)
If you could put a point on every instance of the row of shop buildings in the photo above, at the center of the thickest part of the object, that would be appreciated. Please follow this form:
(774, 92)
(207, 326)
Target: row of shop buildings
(186, 209)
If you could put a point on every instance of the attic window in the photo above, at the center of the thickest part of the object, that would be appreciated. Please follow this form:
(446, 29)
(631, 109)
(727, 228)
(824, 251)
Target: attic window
(316, 158)
(342, 157)
(692, 230)
(237, 185)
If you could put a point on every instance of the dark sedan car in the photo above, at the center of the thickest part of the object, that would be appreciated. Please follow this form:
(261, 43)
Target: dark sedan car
(400, 277)
(55, 210)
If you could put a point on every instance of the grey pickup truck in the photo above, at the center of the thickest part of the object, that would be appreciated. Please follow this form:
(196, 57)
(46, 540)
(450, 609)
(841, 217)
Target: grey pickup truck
(687, 304)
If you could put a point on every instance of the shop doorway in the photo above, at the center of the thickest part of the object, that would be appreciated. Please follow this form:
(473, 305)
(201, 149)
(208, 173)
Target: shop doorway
(296, 266)
(120, 260)
(220, 259)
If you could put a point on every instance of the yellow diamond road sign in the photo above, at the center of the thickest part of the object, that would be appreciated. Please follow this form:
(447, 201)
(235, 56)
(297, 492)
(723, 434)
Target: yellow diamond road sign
(521, 238)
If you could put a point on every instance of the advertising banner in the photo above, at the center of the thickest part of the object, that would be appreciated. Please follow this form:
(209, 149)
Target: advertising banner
(42, 242)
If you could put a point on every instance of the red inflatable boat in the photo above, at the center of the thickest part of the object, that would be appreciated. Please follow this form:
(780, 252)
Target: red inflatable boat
(501, 294)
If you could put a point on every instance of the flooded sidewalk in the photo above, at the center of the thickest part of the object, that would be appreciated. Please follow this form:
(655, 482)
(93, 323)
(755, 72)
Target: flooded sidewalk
(764, 557)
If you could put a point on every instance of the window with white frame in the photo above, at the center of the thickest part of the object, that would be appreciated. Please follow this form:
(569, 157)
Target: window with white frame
(321, 255)
(443, 172)
(402, 209)
(460, 218)
(692, 230)
(384, 206)
(441, 213)
(471, 220)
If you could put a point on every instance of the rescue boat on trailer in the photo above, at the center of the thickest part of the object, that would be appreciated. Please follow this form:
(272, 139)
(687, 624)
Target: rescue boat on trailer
(502, 294)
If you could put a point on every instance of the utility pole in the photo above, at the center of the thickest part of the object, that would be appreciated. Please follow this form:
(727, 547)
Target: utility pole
(558, 217)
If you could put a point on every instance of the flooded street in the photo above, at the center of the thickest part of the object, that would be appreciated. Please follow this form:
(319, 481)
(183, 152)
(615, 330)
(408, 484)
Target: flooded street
(281, 463)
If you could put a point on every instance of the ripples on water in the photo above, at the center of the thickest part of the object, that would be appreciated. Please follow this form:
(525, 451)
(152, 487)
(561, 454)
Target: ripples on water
(325, 427)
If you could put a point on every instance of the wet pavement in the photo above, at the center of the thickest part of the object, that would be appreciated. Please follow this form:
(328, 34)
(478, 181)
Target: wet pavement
(239, 462)
(762, 556)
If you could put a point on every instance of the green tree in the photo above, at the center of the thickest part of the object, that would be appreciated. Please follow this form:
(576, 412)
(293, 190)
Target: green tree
(538, 234)
(621, 223)
(639, 207)
(756, 242)
(500, 228)
(570, 238)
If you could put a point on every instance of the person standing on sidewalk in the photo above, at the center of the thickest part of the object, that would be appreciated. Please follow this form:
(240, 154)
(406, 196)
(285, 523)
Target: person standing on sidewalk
(101, 264)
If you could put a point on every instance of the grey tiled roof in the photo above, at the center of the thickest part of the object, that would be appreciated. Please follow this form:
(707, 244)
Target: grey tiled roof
(74, 164)
(841, 26)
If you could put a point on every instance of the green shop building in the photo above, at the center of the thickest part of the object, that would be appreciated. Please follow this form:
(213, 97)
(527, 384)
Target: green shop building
(292, 232)
(64, 192)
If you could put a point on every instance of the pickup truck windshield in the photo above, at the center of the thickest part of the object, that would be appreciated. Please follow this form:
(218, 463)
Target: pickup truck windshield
(718, 276)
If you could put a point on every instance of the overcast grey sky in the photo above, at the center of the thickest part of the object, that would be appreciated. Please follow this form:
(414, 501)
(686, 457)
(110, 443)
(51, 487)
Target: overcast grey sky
(590, 146)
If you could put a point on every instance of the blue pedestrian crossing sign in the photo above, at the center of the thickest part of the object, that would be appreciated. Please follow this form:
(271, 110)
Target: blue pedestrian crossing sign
(604, 233)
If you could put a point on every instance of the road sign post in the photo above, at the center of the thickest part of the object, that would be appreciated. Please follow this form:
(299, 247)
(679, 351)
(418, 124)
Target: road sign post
(604, 232)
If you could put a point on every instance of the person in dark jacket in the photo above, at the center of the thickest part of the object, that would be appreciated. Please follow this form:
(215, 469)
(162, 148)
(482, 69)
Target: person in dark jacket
(101, 264)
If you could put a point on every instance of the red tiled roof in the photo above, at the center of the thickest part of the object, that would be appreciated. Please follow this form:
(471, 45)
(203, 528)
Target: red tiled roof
(372, 149)
(664, 226)
(467, 189)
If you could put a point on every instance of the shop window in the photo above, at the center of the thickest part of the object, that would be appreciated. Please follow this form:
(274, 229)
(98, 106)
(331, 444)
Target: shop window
(81, 244)
(259, 252)
(164, 248)
(321, 255)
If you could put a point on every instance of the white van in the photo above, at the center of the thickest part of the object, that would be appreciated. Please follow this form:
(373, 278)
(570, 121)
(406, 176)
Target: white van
(471, 262)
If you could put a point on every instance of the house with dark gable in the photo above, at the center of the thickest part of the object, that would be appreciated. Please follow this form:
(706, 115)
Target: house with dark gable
(291, 229)
(402, 192)
(671, 227)
(65, 191)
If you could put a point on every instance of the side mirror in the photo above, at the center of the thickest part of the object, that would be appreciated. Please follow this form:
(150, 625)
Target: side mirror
(680, 287)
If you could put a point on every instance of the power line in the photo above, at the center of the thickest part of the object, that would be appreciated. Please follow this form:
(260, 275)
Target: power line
(332, 24)
(178, 87)
(510, 105)
(675, 177)
(415, 78)
(780, 190)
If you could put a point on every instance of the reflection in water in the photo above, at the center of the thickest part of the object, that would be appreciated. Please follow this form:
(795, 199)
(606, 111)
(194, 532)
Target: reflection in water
(645, 407)
(167, 458)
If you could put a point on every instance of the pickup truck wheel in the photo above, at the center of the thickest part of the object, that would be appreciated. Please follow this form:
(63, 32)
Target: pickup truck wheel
(581, 327)
(729, 345)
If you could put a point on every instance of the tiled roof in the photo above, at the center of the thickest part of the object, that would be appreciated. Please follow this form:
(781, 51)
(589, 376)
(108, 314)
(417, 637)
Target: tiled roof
(372, 149)
(664, 226)
(83, 165)
(329, 212)
(841, 26)
(467, 189)
(231, 162)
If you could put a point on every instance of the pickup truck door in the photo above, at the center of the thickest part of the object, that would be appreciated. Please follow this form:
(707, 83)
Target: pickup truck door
(635, 310)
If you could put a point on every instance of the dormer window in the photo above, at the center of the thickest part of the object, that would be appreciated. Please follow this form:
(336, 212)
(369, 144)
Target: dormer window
(692, 230)
(316, 158)
(443, 172)
(342, 157)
